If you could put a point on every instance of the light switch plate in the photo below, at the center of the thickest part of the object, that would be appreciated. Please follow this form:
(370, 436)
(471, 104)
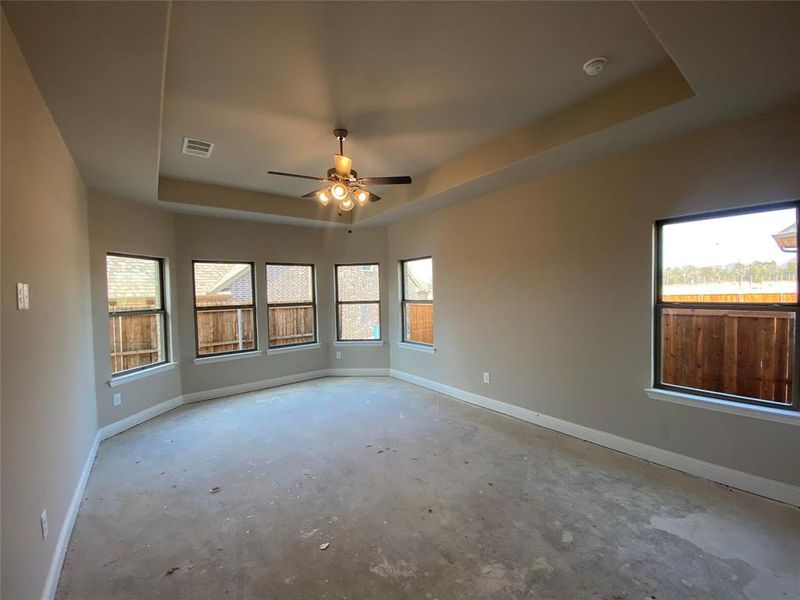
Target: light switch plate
(21, 295)
(43, 521)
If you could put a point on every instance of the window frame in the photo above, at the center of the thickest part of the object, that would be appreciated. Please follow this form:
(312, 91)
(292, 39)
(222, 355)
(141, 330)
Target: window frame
(196, 309)
(786, 307)
(404, 302)
(162, 312)
(339, 302)
(312, 304)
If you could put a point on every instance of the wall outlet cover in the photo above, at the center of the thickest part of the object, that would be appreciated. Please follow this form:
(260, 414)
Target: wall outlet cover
(338, 355)
(487, 378)
(117, 399)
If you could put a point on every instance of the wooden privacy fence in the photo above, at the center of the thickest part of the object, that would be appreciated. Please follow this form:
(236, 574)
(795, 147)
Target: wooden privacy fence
(133, 340)
(226, 330)
(290, 325)
(747, 353)
(419, 322)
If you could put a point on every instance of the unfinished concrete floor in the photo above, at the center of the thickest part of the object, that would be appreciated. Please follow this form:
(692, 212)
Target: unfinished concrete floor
(419, 496)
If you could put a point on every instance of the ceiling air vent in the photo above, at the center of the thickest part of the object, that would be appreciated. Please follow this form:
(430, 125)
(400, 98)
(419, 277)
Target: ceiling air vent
(197, 147)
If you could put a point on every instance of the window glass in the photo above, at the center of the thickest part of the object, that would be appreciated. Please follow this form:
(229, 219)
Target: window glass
(224, 307)
(290, 283)
(359, 322)
(136, 316)
(418, 279)
(358, 283)
(291, 305)
(417, 304)
(727, 309)
(133, 283)
(358, 308)
(743, 353)
(223, 284)
(741, 258)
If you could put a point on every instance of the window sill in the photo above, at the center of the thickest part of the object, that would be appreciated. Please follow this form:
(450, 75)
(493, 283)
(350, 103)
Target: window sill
(286, 349)
(417, 347)
(202, 360)
(120, 379)
(359, 343)
(748, 410)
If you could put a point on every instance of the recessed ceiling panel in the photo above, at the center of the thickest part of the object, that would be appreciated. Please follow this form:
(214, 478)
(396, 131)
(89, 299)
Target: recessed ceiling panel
(415, 83)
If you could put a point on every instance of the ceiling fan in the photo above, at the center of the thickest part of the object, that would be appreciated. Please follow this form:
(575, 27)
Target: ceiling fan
(343, 184)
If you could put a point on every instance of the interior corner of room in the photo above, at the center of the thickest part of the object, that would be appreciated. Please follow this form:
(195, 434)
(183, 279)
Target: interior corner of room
(318, 310)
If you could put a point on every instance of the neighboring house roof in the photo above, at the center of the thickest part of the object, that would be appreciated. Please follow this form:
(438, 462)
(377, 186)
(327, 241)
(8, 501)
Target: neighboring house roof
(211, 278)
(130, 277)
(229, 279)
(787, 238)
(421, 285)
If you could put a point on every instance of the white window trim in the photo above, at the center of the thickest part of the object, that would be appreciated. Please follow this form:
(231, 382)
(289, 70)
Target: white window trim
(202, 360)
(297, 348)
(716, 404)
(359, 343)
(126, 377)
(418, 347)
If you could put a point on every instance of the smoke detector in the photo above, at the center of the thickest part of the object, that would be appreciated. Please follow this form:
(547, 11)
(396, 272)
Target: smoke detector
(595, 66)
(197, 147)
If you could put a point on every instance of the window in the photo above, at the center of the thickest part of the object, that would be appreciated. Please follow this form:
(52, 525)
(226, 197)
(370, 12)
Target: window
(358, 302)
(417, 300)
(136, 314)
(291, 305)
(224, 307)
(727, 304)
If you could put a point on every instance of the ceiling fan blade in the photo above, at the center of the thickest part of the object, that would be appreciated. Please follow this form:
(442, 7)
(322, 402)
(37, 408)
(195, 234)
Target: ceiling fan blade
(311, 194)
(343, 165)
(373, 197)
(296, 175)
(404, 179)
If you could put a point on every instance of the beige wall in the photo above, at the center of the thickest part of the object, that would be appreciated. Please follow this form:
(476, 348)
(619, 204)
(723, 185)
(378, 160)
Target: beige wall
(48, 408)
(117, 225)
(225, 239)
(547, 286)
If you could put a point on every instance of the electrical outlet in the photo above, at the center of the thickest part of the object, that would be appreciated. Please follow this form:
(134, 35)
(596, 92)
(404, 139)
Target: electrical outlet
(117, 399)
(338, 355)
(487, 378)
(44, 524)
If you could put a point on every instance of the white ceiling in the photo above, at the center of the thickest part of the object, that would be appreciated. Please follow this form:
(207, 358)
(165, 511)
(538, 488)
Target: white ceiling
(424, 88)
(415, 83)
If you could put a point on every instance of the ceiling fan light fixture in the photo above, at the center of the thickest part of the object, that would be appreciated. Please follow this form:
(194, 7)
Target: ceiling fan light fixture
(339, 191)
(362, 196)
(347, 204)
(324, 197)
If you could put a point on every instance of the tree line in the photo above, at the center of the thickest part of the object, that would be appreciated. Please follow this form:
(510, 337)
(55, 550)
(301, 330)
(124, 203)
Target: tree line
(755, 272)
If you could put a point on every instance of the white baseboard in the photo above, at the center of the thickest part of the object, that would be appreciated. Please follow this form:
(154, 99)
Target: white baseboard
(60, 552)
(139, 418)
(278, 381)
(252, 386)
(769, 488)
(375, 372)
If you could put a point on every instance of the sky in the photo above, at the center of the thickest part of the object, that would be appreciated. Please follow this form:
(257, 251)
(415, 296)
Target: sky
(741, 238)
